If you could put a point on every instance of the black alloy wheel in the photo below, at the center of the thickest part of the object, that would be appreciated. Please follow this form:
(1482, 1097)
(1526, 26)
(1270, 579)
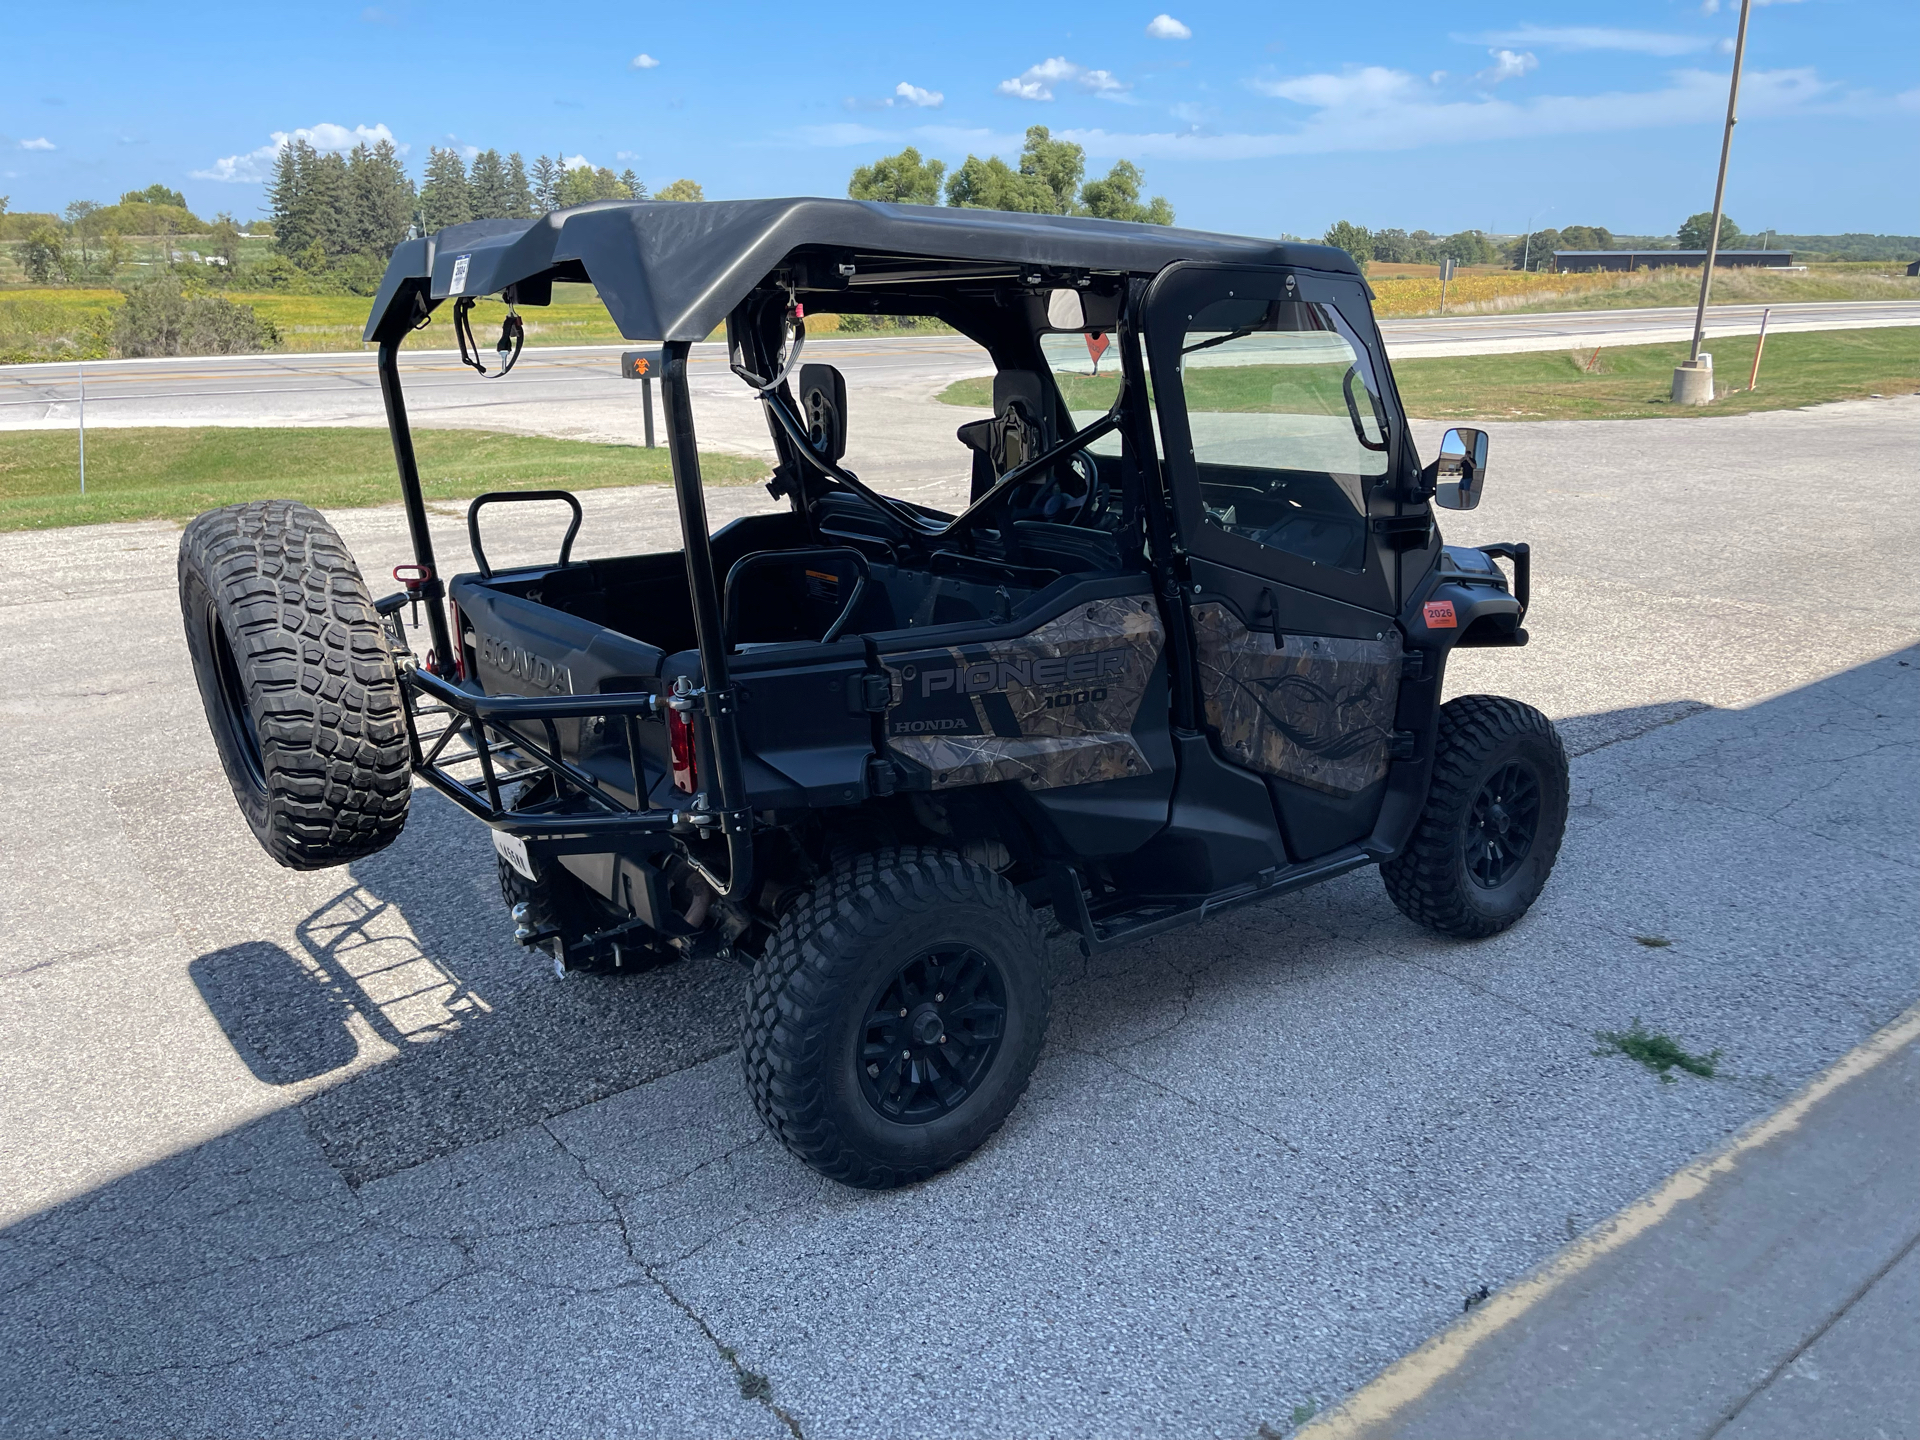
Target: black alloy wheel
(932, 1033)
(1490, 831)
(896, 1015)
(1501, 824)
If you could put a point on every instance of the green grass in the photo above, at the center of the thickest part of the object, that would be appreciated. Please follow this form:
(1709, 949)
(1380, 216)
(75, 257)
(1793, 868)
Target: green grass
(1632, 382)
(1659, 1053)
(1635, 382)
(169, 474)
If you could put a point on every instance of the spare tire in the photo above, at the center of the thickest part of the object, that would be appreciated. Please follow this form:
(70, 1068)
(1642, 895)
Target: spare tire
(298, 682)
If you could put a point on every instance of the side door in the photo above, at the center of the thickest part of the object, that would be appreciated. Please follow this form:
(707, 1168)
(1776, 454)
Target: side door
(1286, 453)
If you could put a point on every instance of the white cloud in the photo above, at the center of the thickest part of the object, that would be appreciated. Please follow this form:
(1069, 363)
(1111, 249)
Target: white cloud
(1595, 37)
(920, 99)
(253, 167)
(1507, 65)
(1036, 82)
(576, 162)
(1165, 27)
(626, 154)
(1375, 108)
(643, 61)
(1907, 100)
(1367, 88)
(40, 144)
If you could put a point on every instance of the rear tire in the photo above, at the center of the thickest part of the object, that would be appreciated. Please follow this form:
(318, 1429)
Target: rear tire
(1494, 819)
(297, 681)
(860, 1093)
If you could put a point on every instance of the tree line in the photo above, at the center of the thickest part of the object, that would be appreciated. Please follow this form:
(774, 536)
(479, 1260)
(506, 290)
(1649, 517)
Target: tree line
(347, 212)
(1532, 251)
(1050, 179)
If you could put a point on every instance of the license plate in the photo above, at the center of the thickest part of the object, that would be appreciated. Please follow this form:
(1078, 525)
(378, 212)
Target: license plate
(514, 851)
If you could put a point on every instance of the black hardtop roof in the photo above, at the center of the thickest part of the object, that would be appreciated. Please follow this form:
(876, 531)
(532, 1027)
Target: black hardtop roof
(673, 270)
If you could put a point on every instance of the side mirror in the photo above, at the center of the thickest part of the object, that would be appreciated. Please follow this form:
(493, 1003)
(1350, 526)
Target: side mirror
(1461, 469)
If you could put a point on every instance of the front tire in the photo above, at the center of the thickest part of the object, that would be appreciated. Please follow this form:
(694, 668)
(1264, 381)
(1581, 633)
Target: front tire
(863, 1093)
(297, 681)
(1493, 822)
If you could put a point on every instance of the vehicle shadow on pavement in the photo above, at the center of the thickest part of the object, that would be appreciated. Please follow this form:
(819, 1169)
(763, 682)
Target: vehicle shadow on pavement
(291, 1270)
(460, 1035)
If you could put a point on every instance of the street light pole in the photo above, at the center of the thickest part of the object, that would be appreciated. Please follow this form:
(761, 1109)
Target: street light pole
(1720, 185)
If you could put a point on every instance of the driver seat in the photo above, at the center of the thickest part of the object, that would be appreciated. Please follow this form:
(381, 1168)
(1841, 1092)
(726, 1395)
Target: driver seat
(1016, 433)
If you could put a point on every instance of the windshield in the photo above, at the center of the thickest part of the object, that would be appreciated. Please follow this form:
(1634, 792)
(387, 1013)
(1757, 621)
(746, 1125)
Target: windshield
(1086, 367)
(1286, 426)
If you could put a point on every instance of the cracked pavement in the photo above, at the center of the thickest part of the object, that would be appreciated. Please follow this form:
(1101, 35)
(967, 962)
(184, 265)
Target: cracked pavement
(325, 1154)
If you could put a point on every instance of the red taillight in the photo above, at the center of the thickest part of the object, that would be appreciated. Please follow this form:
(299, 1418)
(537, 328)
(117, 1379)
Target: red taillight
(686, 767)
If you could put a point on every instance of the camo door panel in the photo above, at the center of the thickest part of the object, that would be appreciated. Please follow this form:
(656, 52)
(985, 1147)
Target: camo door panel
(1314, 709)
(1053, 707)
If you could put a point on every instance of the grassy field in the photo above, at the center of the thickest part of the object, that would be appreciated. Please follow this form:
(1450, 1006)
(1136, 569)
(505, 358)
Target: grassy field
(168, 474)
(77, 324)
(1632, 382)
(1635, 382)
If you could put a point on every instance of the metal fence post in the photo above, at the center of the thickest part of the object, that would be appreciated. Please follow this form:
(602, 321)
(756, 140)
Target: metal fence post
(646, 405)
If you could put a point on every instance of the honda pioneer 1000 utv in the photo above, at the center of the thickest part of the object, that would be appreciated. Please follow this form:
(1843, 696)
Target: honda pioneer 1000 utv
(1181, 646)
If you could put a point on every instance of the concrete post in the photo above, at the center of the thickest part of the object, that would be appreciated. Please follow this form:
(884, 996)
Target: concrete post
(1693, 381)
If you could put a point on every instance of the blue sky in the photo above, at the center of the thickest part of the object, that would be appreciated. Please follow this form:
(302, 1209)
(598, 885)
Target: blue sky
(1258, 118)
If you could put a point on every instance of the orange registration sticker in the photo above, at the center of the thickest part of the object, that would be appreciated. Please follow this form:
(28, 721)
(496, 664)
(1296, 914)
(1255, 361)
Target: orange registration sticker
(1440, 616)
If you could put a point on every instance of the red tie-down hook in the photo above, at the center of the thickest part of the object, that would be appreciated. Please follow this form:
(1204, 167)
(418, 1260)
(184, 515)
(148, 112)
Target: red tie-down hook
(414, 578)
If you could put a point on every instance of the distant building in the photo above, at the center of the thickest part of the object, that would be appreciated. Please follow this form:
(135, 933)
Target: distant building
(1572, 262)
(1914, 268)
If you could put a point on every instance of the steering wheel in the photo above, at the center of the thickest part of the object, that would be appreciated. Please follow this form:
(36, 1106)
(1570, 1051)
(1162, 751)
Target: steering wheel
(1063, 497)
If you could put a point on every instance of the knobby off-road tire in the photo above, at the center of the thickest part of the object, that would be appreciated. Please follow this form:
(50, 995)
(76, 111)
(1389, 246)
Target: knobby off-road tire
(297, 680)
(822, 1038)
(1493, 822)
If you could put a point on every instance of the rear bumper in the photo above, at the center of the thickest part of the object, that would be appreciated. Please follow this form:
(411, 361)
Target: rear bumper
(478, 751)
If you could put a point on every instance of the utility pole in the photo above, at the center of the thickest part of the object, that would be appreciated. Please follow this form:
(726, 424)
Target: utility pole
(1526, 251)
(1693, 382)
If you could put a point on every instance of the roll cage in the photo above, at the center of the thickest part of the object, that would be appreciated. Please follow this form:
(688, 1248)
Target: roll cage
(670, 274)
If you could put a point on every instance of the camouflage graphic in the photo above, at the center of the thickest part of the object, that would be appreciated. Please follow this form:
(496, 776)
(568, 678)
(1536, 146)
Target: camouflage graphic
(1308, 708)
(1053, 707)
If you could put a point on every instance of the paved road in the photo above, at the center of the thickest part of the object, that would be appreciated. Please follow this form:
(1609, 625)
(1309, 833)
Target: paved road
(324, 1154)
(1769, 1291)
(577, 393)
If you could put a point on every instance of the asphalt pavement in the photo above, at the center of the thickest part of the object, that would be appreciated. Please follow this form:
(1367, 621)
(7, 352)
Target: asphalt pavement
(326, 1154)
(577, 392)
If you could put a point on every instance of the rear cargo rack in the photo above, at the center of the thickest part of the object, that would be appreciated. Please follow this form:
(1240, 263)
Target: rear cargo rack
(483, 737)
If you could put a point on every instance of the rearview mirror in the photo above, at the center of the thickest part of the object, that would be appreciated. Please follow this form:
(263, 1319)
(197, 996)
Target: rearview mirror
(1461, 469)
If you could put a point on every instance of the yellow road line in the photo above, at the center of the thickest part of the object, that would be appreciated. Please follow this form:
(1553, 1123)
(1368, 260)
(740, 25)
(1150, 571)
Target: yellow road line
(1408, 1379)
